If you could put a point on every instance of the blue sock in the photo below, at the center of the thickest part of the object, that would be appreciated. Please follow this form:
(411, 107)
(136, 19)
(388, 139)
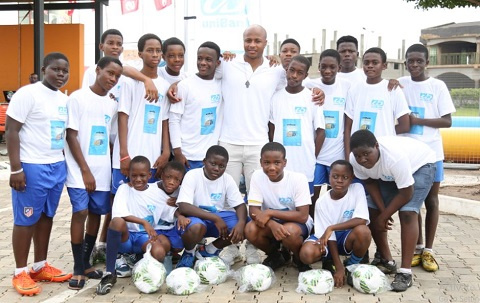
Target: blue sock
(114, 239)
(354, 259)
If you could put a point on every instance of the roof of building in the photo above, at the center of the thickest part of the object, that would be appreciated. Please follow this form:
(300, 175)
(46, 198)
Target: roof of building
(450, 30)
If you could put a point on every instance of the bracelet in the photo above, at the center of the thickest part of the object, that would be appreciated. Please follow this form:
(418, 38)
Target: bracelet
(17, 171)
(124, 158)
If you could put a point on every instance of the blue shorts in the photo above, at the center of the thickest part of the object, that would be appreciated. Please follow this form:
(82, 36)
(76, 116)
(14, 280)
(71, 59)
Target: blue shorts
(97, 202)
(229, 217)
(423, 178)
(118, 179)
(42, 193)
(134, 243)
(342, 236)
(303, 227)
(439, 172)
(194, 164)
(173, 236)
(310, 187)
(321, 174)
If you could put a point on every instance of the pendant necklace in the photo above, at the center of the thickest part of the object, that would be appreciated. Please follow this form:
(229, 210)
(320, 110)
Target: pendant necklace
(247, 83)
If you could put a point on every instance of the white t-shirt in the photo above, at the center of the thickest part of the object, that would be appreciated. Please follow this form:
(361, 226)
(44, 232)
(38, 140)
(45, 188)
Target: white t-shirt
(427, 99)
(144, 120)
(296, 119)
(149, 204)
(329, 212)
(373, 107)
(90, 115)
(162, 72)
(195, 122)
(213, 196)
(357, 76)
(247, 109)
(400, 158)
(287, 194)
(333, 110)
(43, 113)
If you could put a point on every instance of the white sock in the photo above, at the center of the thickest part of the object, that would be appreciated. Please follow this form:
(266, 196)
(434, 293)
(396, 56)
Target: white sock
(404, 271)
(19, 270)
(39, 265)
(419, 248)
(191, 251)
(430, 250)
(101, 245)
(211, 249)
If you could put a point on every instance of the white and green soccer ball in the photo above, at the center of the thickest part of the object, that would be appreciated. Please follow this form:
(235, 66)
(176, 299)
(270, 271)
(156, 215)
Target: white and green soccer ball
(315, 281)
(182, 281)
(369, 279)
(255, 277)
(211, 270)
(148, 275)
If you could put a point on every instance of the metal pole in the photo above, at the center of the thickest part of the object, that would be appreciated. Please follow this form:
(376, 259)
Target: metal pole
(38, 35)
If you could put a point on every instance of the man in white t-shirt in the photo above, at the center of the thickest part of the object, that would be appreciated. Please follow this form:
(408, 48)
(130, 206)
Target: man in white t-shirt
(347, 46)
(35, 132)
(397, 173)
(90, 112)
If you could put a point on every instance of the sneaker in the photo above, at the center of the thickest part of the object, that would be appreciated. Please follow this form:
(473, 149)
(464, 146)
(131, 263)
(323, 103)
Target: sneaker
(49, 273)
(106, 284)
(349, 277)
(401, 282)
(428, 261)
(24, 284)
(274, 260)
(230, 254)
(376, 259)
(387, 267)
(286, 254)
(365, 259)
(202, 253)
(99, 255)
(417, 259)
(251, 254)
(132, 259)
(302, 267)
(122, 268)
(187, 260)
(327, 264)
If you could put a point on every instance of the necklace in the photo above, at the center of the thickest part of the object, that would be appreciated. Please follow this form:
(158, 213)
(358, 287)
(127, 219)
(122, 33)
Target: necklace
(247, 83)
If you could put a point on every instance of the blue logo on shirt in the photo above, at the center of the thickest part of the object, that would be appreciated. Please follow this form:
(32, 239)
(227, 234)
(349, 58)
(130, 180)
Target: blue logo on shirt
(377, 104)
(388, 178)
(300, 110)
(215, 98)
(285, 201)
(107, 119)
(348, 214)
(425, 97)
(215, 196)
(62, 110)
(339, 101)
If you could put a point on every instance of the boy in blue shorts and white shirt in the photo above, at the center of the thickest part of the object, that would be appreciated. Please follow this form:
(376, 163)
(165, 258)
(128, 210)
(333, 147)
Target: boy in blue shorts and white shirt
(431, 106)
(279, 202)
(211, 200)
(90, 111)
(195, 121)
(296, 122)
(397, 173)
(142, 126)
(35, 133)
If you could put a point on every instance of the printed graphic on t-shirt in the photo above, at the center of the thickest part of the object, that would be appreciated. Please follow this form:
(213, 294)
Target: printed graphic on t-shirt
(150, 121)
(300, 110)
(367, 121)
(339, 101)
(164, 223)
(285, 201)
(377, 104)
(57, 134)
(211, 209)
(418, 112)
(331, 123)
(292, 132)
(98, 141)
(149, 219)
(426, 97)
(209, 116)
(348, 214)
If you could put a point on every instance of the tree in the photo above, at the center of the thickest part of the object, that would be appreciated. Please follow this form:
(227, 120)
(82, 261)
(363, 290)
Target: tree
(426, 4)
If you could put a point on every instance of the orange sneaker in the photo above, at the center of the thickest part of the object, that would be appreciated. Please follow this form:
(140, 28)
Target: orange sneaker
(49, 273)
(24, 284)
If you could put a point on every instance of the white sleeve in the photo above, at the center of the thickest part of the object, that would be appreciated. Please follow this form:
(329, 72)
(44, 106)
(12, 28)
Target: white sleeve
(361, 206)
(20, 106)
(166, 109)
(126, 96)
(302, 191)
(445, 103)
(119, 207)
(318, 118)
(402, 172)
(74, 114)
(350, 104)
(165, 213)
(175, 129)
(401, 105)
(187, 190)
(233, 196)
(272, 110)
(255, 196)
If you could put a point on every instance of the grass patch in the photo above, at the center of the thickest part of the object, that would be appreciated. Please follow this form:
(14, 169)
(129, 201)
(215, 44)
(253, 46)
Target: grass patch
(467, 112)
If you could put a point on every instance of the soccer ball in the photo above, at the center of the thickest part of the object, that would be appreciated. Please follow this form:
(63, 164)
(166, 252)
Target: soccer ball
(255, 277)
(182, 281)
(211, 270)
(148, 275)
(369, 279)
(315, 281)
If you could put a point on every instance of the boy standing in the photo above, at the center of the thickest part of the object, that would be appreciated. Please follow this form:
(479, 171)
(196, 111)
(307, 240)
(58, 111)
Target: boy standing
(341, 219)
(279, 202)
(431, 106)
(35, 132)
(347, 47)
(398, 174)
(87, 154)
(173, 51)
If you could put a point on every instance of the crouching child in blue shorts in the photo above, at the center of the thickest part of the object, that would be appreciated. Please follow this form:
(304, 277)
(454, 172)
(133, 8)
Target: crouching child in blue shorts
(141, 215)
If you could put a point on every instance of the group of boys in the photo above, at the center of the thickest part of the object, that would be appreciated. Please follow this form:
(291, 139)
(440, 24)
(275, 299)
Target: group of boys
(163, 122)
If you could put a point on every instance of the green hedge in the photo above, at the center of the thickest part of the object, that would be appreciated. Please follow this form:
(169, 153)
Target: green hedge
(465, 97)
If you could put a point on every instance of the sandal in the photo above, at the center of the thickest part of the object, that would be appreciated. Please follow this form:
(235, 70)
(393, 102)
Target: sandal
(76, 282)
(94, 273)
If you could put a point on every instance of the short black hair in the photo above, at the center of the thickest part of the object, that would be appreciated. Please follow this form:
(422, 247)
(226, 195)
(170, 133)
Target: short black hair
(330, 53)
(111, 31)
(104, 61)
(175, 165)
(49, 58)
(273, 146)
(140, 159)
(212, 45)
(377, 50)
(303, 60)
(362, 137)
(172, 41)
(217, 150)
(350, 39)
(292, 41)
(344, 163)
(143, 39)
(420, 48)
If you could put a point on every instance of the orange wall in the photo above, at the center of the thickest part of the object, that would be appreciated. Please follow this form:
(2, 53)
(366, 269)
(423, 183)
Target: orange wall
(16, 53)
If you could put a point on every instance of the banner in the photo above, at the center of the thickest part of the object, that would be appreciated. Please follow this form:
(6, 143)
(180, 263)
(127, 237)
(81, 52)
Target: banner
(161, 4)
(129, 6)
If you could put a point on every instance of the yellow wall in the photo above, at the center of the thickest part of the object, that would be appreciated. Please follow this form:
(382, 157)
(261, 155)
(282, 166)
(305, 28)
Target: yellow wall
(16, 53)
